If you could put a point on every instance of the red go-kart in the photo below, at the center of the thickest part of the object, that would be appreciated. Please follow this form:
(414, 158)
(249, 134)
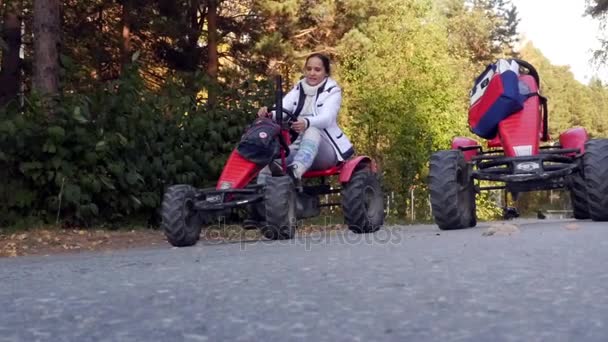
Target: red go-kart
(278, 203)
(518, 162)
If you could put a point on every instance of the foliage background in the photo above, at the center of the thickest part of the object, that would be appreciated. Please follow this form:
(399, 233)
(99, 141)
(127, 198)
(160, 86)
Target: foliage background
(157, 92)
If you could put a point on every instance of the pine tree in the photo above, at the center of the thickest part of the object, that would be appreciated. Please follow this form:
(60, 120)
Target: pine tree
(47, 30)
(10, 44)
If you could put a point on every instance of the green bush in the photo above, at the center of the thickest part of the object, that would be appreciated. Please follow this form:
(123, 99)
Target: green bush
(107, 155)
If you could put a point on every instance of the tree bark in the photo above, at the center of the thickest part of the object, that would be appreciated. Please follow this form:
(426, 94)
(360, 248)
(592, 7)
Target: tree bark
(10, 70)
(192, 34)
(126, 35)
(98, 60)
(47, 30)
(212, 57)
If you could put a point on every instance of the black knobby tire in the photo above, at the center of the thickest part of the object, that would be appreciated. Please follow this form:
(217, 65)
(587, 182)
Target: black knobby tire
(256, 216)
(256, 212)
(595, 163)
(578, 196)
(363, 202)
(280, 203)
(473, 207)
(452, 191)
(180, 222)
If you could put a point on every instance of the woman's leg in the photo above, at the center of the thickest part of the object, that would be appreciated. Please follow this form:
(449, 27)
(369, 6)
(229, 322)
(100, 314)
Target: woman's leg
(276, 165)
(313, 152)
(326, 156)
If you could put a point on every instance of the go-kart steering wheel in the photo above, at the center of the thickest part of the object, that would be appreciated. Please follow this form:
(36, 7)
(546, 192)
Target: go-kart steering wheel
(287, 112)
(531, 69)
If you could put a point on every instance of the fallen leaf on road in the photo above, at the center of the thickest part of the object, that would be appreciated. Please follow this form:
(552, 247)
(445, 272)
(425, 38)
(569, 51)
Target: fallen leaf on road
(501, 229)
(572, 226)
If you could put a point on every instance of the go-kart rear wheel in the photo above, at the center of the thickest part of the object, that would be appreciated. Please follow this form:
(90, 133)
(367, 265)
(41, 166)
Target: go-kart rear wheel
(280, 202)
(595, 163)
(180, 222)
(452, 191)
(578, 196)
(363, 202)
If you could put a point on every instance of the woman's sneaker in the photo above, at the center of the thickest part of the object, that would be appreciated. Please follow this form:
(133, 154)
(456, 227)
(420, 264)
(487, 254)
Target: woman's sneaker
(297, 182)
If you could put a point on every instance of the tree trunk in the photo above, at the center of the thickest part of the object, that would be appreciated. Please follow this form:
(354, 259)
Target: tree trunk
(195, 25)
(98, 60)
(11, 63)
(212, 57)
(126, 35)
(47, 30)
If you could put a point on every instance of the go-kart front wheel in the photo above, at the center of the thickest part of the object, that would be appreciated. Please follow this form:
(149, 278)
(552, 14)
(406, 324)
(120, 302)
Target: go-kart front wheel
(595, 163)
(280, 202)
(578, 196)
(363, 202)
(180, 222)
(452, 191)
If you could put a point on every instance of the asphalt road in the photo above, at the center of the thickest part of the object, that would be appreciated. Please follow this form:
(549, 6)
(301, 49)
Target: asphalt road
(548, 281)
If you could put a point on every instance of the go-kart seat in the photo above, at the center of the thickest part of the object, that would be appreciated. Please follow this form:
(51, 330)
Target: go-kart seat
(495, 142)
(334, 170)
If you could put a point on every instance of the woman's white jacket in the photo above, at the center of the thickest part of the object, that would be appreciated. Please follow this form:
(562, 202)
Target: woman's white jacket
(325, 114)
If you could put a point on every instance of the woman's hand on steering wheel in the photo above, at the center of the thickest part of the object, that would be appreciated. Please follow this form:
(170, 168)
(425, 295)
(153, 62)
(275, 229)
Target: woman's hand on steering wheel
(299, 125)
(286, 113)
(264, 113)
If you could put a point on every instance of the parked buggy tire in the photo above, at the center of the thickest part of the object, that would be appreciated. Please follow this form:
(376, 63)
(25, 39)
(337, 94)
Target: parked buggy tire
(280, 203)
(180, 222)
(595, 164)
(578, 196)
(452, 191)
(363, 202)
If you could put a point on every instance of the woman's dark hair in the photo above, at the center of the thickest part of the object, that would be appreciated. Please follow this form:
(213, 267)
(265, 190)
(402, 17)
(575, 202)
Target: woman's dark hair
(323, 59)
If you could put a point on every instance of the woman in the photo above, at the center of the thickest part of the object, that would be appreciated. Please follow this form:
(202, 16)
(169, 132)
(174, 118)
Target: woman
(315, 101)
